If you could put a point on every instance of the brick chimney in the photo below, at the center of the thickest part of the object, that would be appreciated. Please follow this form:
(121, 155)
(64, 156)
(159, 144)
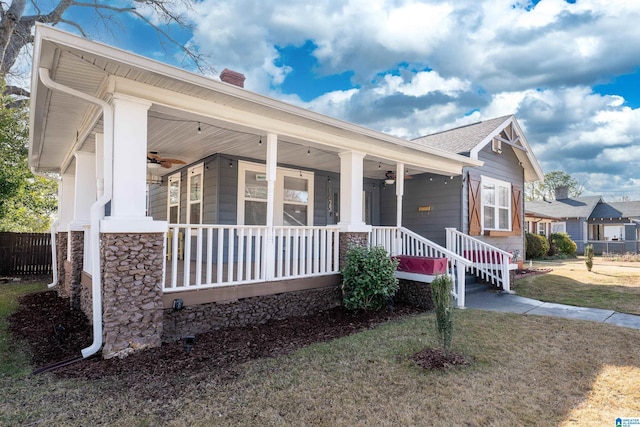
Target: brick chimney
(562, 192)
(232, 77)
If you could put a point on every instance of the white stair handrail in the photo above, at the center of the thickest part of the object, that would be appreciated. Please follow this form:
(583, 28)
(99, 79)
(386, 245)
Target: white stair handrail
(487, 268)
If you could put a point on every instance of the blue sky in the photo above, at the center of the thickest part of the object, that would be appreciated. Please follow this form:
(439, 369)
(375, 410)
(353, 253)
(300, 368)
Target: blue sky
(568, 70)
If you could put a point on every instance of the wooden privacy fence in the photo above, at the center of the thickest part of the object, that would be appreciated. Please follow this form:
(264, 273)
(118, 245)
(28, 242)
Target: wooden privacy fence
(23, 254)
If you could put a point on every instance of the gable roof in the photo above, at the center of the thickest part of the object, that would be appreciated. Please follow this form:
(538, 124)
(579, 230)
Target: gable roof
(578, 207)
(617, 210)
(463, 139)
(470, 139)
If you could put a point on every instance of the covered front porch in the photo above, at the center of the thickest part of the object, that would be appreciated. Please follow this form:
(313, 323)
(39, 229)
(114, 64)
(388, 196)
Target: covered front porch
(254, 191)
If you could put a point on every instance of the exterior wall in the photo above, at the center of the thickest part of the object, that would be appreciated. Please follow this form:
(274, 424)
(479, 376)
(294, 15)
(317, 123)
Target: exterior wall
(132, 270)
(61, 252)
(197, 319)
(158, 201)
(505, 167)
(425, 190)
(575, 230)
(220, 193)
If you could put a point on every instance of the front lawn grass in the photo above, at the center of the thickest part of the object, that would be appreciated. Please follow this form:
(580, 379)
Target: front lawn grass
(610, 285)
(527, 370)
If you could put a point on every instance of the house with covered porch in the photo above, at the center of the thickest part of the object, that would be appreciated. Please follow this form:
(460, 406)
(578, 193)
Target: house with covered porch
(188, 204)
(611, 227)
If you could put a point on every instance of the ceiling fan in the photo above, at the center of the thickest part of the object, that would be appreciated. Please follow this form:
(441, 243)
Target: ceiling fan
(155, 161)
(390, 177)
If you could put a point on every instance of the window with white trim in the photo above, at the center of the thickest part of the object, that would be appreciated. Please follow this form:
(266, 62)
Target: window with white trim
(293, 196)
(195, 175)
(558, 227)
(173, 199)
(541, 228)
(496, 204)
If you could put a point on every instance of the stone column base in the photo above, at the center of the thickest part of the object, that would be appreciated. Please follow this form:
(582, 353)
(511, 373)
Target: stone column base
(131, 292)
(348, 240)
(61, 252)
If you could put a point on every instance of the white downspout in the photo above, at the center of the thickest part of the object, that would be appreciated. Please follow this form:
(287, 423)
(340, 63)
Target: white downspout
(54, 229)
(54, 255)
(97, 209)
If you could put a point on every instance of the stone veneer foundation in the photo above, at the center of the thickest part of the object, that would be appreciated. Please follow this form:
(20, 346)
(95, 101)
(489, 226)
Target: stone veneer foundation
(197, 319)
(75, 265)
(61, 253)
(348, 240)
(414, 293)
(132, 268)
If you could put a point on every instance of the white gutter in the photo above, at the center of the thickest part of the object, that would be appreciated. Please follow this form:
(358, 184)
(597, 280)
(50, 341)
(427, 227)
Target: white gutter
(97, 209)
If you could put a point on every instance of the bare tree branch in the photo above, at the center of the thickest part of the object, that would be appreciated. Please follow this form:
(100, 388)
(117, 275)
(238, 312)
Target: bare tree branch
(16, 29)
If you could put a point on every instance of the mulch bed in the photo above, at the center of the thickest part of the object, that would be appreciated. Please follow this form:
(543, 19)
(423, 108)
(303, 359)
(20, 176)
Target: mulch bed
(434, 358)
(54, 333)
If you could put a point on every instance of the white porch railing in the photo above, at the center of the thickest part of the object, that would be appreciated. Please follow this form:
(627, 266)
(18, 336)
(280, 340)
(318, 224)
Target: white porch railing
(205, 256)
(488, 262)
(401, 241)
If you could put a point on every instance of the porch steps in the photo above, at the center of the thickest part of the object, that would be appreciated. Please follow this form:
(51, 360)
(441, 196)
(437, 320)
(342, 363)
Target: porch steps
(473, 287)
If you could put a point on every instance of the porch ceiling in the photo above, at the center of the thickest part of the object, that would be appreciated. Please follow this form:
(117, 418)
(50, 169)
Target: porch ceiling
(232, 119)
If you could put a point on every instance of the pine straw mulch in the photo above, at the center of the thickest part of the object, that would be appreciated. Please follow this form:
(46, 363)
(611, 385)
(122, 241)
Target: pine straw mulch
(54, 333)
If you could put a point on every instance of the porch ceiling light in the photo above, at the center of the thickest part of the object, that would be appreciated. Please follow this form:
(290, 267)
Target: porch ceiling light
(389, 178)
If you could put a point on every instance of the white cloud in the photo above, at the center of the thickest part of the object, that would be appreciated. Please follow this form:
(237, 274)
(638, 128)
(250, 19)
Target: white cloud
(485, 59)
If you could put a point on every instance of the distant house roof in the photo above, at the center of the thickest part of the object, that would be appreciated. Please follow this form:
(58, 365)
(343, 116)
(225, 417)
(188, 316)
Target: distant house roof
(617, 210)
(579, 207)
(470, 139)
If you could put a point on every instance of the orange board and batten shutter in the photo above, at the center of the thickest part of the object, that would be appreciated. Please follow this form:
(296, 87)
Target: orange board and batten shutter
(516, 210)
(475, 204)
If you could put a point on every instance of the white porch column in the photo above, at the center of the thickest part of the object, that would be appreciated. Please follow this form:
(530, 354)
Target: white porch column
(271, 169)
(351, 176)
(129, 158)
(399, 192)
(85, 189)
(66, 199)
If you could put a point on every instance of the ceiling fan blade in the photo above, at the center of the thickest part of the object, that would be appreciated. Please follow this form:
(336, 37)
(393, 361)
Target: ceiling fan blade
(176, 161)
(165, 164)
(153, 155)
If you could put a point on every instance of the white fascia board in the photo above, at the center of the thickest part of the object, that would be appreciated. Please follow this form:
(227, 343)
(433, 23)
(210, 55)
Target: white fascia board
(533, 170)
(476, 150)
(217, 111)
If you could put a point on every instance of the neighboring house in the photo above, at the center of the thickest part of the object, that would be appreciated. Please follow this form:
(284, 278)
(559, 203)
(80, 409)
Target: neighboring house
(609, 227)
(188, 204)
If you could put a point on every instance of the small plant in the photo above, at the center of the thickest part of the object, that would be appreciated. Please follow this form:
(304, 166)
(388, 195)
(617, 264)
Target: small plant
(369, 281)
(588, 255)
(443, 305)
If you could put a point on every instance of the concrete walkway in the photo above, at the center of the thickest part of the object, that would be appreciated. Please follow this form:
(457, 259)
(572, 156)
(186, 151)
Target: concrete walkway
(510, 303)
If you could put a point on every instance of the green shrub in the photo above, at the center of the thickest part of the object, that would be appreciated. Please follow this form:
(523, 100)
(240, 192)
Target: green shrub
(369, 281)
(443, 306)
(563, 243)
(537, 246)
(588, 255)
